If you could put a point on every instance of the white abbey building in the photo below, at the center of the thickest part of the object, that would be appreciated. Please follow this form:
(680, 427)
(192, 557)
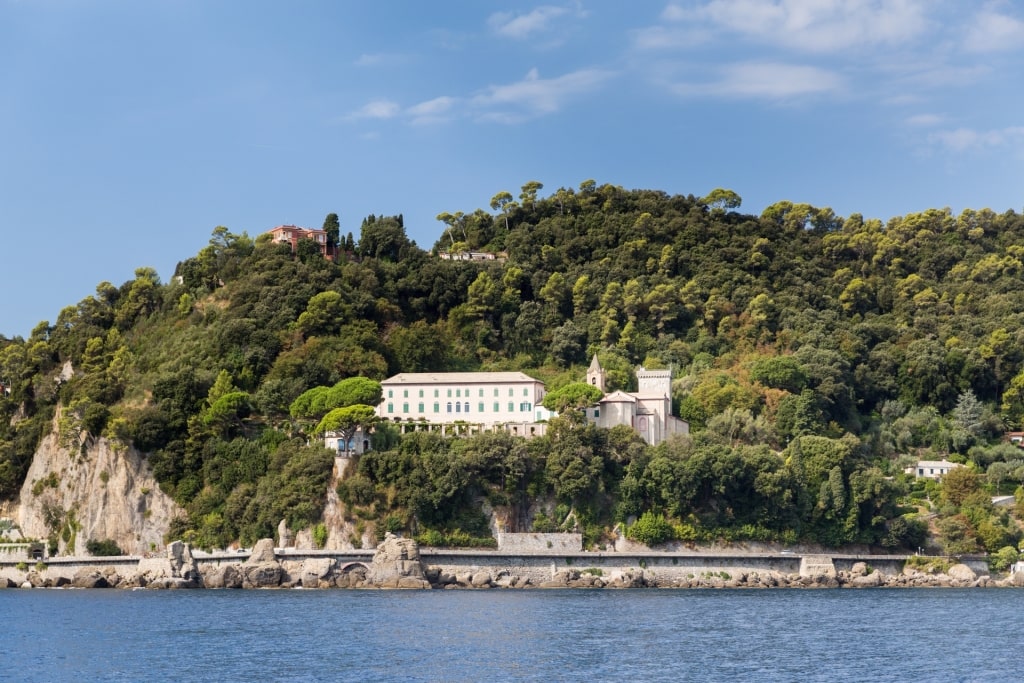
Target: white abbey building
(478, 398)
(462, 402)
(648, 411)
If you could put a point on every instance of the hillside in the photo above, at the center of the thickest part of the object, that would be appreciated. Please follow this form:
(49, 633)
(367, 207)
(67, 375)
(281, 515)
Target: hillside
(815, 357)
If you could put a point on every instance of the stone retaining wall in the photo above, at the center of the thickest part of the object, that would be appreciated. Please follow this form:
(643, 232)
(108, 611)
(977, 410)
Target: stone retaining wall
(479, 568)
(540, 543)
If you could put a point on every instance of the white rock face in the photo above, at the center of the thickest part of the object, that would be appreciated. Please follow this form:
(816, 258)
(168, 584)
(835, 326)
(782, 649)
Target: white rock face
(104, 487)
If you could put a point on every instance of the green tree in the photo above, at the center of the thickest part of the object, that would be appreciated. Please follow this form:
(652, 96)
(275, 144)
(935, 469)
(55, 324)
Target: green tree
(575, 396)
(333, 229)
(720, 198)
(503, 202)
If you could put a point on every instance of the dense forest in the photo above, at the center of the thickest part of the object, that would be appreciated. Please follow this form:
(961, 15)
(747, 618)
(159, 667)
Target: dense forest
(815, 357)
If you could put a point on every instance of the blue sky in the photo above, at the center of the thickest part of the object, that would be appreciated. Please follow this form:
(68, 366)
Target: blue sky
(130, 130)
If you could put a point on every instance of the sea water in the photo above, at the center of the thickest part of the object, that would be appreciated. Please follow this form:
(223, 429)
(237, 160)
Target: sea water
(506, 635)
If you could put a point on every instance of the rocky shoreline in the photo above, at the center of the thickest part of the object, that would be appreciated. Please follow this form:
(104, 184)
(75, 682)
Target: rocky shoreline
(397, 564)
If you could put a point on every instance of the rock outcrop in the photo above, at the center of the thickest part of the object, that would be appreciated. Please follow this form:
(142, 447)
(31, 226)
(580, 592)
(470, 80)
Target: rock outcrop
(177, 569)
(262, 570)
(106, 490)
(396, 564)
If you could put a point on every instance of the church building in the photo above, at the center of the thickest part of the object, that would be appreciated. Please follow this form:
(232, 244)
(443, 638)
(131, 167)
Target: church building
(648, 410)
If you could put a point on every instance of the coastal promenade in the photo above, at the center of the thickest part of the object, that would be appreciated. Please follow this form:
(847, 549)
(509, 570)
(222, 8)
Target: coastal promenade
(535, 568)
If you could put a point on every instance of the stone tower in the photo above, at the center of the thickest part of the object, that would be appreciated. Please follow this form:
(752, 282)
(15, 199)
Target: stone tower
(657, 382)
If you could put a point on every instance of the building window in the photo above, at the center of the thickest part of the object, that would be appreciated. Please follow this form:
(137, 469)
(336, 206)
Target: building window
(597, 412)
(449, 406)
(391, 407)
(526, 391)
(437, 407)
(421, 393)
(511, 407)
(449, 393)
(496, 407)
(480, 407)
(458, 393)
(405, 407)
(511, 391)
(421, 407)
(405, 393)
(437, 393)
(467, 406)
(458, 407)
(525, 407)
(495, 393)
(391, 394)
(481, 393)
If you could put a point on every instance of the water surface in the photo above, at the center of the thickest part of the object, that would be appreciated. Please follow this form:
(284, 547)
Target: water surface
(495, 635)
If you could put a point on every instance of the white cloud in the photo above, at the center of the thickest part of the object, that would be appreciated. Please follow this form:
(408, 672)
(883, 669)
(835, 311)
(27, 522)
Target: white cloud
(803, 25)
(511, 103)
(924, 120)
(534, 96)
(537, 20)
(992, 31)
(376, 109)
(964, 139)
(380, 59)
(436, 110)
(760, 80)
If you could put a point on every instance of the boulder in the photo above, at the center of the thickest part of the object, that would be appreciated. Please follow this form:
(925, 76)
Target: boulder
(262, 552)
(480, 580)
(314, 570)
(7, 583)
(396, 564)
(224, 576)
(1017, 579)
(353, 576)
(182, 564)
(961, 572)
(40, 581)
(261, 575)
(859, 569)
(872, 580)
(285, 535)
(89, 578)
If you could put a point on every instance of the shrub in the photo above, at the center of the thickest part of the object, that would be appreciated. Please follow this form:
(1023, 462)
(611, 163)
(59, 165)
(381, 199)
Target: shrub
(651, 529)
(930, 565)
(320, 535)
(105, 548)
(431, 537)
(1001, 560)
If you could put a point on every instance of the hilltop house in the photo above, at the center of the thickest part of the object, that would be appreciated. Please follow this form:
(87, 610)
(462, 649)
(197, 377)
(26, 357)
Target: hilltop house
(291, 234)
(931, 469)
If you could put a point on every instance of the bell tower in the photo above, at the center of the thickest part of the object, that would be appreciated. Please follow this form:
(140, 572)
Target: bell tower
(595, 374)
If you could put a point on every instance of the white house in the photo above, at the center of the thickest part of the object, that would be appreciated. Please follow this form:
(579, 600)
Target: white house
(481, 398)
(932, 469)
(356, 444)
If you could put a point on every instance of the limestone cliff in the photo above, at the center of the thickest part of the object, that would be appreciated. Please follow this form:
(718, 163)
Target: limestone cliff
(98, 491)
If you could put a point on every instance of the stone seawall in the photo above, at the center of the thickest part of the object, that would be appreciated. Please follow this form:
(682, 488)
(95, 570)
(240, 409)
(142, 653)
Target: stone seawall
(402, 564)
